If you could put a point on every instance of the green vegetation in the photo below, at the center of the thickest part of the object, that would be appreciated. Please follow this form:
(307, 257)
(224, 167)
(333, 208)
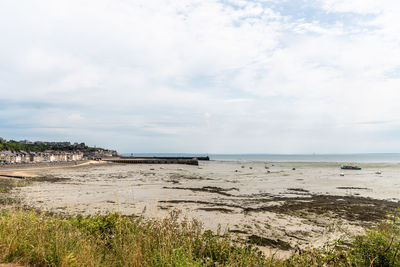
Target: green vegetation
(113, 240)
(16, 146)
(378, 247)
(6, 185)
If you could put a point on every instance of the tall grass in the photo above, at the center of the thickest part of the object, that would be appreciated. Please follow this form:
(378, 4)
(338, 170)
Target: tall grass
(30, 238)
(113, 240)
(379, 246)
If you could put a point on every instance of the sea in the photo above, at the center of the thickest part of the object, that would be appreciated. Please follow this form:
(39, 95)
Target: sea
(357, 157)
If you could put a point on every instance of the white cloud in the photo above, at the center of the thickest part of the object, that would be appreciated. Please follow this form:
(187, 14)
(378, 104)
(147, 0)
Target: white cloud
(75, 117)
(225, 76)
(357, 6)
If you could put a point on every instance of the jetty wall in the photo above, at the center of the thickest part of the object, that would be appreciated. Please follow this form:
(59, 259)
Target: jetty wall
(192, 161)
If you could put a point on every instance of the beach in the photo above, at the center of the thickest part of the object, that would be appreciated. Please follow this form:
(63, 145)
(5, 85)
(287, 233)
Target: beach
(280, 206)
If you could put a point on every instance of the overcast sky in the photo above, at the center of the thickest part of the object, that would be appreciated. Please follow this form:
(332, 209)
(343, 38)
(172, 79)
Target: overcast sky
(210, 76)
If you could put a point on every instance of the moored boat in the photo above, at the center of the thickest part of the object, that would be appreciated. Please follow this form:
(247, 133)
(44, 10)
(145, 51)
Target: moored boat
(349, 167)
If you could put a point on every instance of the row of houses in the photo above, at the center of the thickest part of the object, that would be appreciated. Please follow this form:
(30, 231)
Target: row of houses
(101, 154)
(9, 157)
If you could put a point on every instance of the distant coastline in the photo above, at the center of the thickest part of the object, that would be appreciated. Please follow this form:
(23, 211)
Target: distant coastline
(32, 152)
(354, 157)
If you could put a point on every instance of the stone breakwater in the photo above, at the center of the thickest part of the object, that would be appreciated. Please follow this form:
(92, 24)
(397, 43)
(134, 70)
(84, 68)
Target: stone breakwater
(193, 161)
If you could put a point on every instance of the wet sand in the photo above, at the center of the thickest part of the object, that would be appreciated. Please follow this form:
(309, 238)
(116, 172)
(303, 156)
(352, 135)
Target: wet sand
(275, 205)
(31, 170)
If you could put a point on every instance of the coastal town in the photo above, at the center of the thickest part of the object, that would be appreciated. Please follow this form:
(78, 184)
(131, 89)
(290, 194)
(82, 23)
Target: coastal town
(25, 152)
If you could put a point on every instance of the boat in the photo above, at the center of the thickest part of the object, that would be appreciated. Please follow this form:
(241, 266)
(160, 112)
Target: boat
(349, 167)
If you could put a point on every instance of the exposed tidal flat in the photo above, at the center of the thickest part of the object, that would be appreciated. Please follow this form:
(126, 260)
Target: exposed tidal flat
(279, 206)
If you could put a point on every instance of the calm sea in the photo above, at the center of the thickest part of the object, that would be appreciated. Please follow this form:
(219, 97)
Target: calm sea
(367, 157)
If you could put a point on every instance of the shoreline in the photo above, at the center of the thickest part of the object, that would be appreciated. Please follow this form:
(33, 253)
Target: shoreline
(312, 163)
(30, 170)
(280, 210)
(43, 165)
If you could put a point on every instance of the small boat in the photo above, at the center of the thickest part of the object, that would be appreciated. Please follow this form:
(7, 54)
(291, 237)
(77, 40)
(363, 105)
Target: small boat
(349, 167)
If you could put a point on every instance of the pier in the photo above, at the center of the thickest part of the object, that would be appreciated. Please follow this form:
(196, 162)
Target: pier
(168, 157)
(126, 160)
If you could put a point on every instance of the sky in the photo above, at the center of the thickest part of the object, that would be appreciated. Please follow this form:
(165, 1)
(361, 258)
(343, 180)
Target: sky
(203, 76)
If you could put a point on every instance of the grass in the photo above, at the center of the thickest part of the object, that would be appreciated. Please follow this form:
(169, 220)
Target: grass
(39, 239)
(27, 237)
(379, 246)
(32, 238)
(6, 185)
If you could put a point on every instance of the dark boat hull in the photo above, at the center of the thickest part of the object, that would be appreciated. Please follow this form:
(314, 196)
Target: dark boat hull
(350, 168)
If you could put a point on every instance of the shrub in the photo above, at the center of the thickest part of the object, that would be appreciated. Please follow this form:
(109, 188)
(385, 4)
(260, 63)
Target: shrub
(114, 240)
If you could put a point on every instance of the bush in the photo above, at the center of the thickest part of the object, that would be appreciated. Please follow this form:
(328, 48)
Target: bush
(114, 240)
(27, 237)
(379, 246)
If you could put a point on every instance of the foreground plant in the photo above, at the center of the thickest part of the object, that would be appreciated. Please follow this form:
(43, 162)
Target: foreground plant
(27, 237)
(114, 240)
(379, 246)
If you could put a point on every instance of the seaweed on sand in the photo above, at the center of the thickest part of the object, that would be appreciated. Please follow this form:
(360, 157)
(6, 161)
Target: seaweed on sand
(208, 189)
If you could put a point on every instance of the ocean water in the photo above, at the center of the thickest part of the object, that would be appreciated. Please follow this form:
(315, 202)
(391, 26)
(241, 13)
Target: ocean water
(350, 158)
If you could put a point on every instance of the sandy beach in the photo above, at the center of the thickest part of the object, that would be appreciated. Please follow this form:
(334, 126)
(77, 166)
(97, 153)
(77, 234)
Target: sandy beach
(279, 206)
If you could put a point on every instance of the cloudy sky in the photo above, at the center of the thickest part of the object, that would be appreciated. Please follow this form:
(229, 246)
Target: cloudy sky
(210, 76)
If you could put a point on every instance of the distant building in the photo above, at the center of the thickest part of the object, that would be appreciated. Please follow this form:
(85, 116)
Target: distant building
(3, 157)
(99, 154)
(25, 142)
(58, 152)
(7, 157)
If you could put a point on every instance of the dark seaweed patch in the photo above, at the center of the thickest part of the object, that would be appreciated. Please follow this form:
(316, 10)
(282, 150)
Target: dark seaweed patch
(298, 190)
(267, 242)
(50, 179)
(208, 189)
(223, 210)
(352, 187)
